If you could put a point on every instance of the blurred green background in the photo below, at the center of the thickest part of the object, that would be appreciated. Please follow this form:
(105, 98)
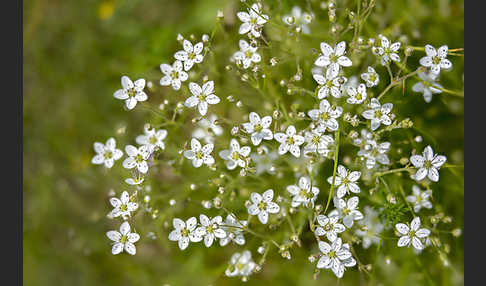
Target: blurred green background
(74, 55)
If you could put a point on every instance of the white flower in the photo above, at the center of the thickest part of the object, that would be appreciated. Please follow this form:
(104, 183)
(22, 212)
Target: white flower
(210, 229)
(371, 77)
(234, 231)
(173, 75)
(356, 96)
(289, 141)
(106, 154)
(375, 152)
(412, 234)
(134, 181)
(329, 227)
(264, 161)
(378, 113)
(262, 205)
(235, 156)
(122, 206)
(154, 139)
(370, 228)
(184, 232)
(348, 211)
(428, 164)
(335, 58)
(247, 55)
(123, 240)
(240, 264)
(200, 155)
(331, 83)
(202, 96)
(420, 198)
(386, 51)
(436, 59)
(335, 256)
(345, 181)
(137, 158)
(426, 89)
(317, 142)
(258, 128)
(298, 19)
(131, 92)
(326, 116)
(303, 193)
(252, 21)
(190, 55)
(207, 129)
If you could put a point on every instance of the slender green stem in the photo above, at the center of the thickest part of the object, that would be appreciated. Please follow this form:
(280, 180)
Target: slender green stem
(335, 168)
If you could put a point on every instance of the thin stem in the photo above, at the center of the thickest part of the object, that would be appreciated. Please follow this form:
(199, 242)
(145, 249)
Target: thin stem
(335, 168)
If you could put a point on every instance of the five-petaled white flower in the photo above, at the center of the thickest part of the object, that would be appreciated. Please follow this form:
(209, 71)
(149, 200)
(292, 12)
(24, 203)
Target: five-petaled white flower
(258, 128)
(317, 142)
(331, 83)
(370, 228)
(202, 96)
(335, 58)
(123, 206)
(436, 59)
(345, 181)
(428, 164)
(298, 20)
(335, 256)
(137, 158)
(247, 55)
(234, 230)
(152, 138)
(241, 264)
(326, 116)
(427, 86)
(378, 113)
(371, 77)
(106, 154)
(420, 198)
(329, 227)
(303, 193)
(184, 232)
(131, 92)
(123, 240)
(252, 21)
(173, 75)
(386, 51)
(412, 234)
(208, 127)
(200, 155)
(371, 150)
(262, 205)
(210, 229)
(356, 95)
(289, 141)
(190, 55)
(235, 155)
(347, 211)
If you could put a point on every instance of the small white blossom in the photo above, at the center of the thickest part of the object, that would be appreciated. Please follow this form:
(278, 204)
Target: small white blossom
(241, 264)
(234, 231)
(298, 19)
(326, 116)
(356, 95)
(123, 206)
(436, 59)
(329, 227)
(386, 51)
(331, 83)
(289, 141)
(371, 77)
(154, 139)
(252, 21)
(184, 232)
(318, 142)
(198, 154)
(413, 234)
(262, 205)
(428, 164)
(335, 58)
(348, 211)
(370, 228)
(123, 240)
(210, 229)
(190, 55)
(264, 162)
(137, 158)
(131, 92)
(247, 54)
(420, 199)
(202, 96)
(134, 181)
(207, 128)
(345, 181)
(303, 193)
(427, 89)
(335, 257)
(235, 156)
(378, 114)
(173, 75)
(106, 154)
(258, 128)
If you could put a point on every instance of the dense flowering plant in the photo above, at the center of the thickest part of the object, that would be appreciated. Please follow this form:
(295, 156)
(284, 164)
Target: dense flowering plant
(300, 163)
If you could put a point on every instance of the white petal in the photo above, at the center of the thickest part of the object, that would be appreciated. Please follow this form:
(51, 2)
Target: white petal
(263, 217)
(417, 243)
(402, 228)
(417, 161)
(403, 241)
(117, 248)
(113, 235)
(125, 228)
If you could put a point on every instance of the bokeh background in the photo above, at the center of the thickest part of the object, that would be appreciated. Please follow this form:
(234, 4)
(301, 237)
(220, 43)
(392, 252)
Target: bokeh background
(74, 55)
